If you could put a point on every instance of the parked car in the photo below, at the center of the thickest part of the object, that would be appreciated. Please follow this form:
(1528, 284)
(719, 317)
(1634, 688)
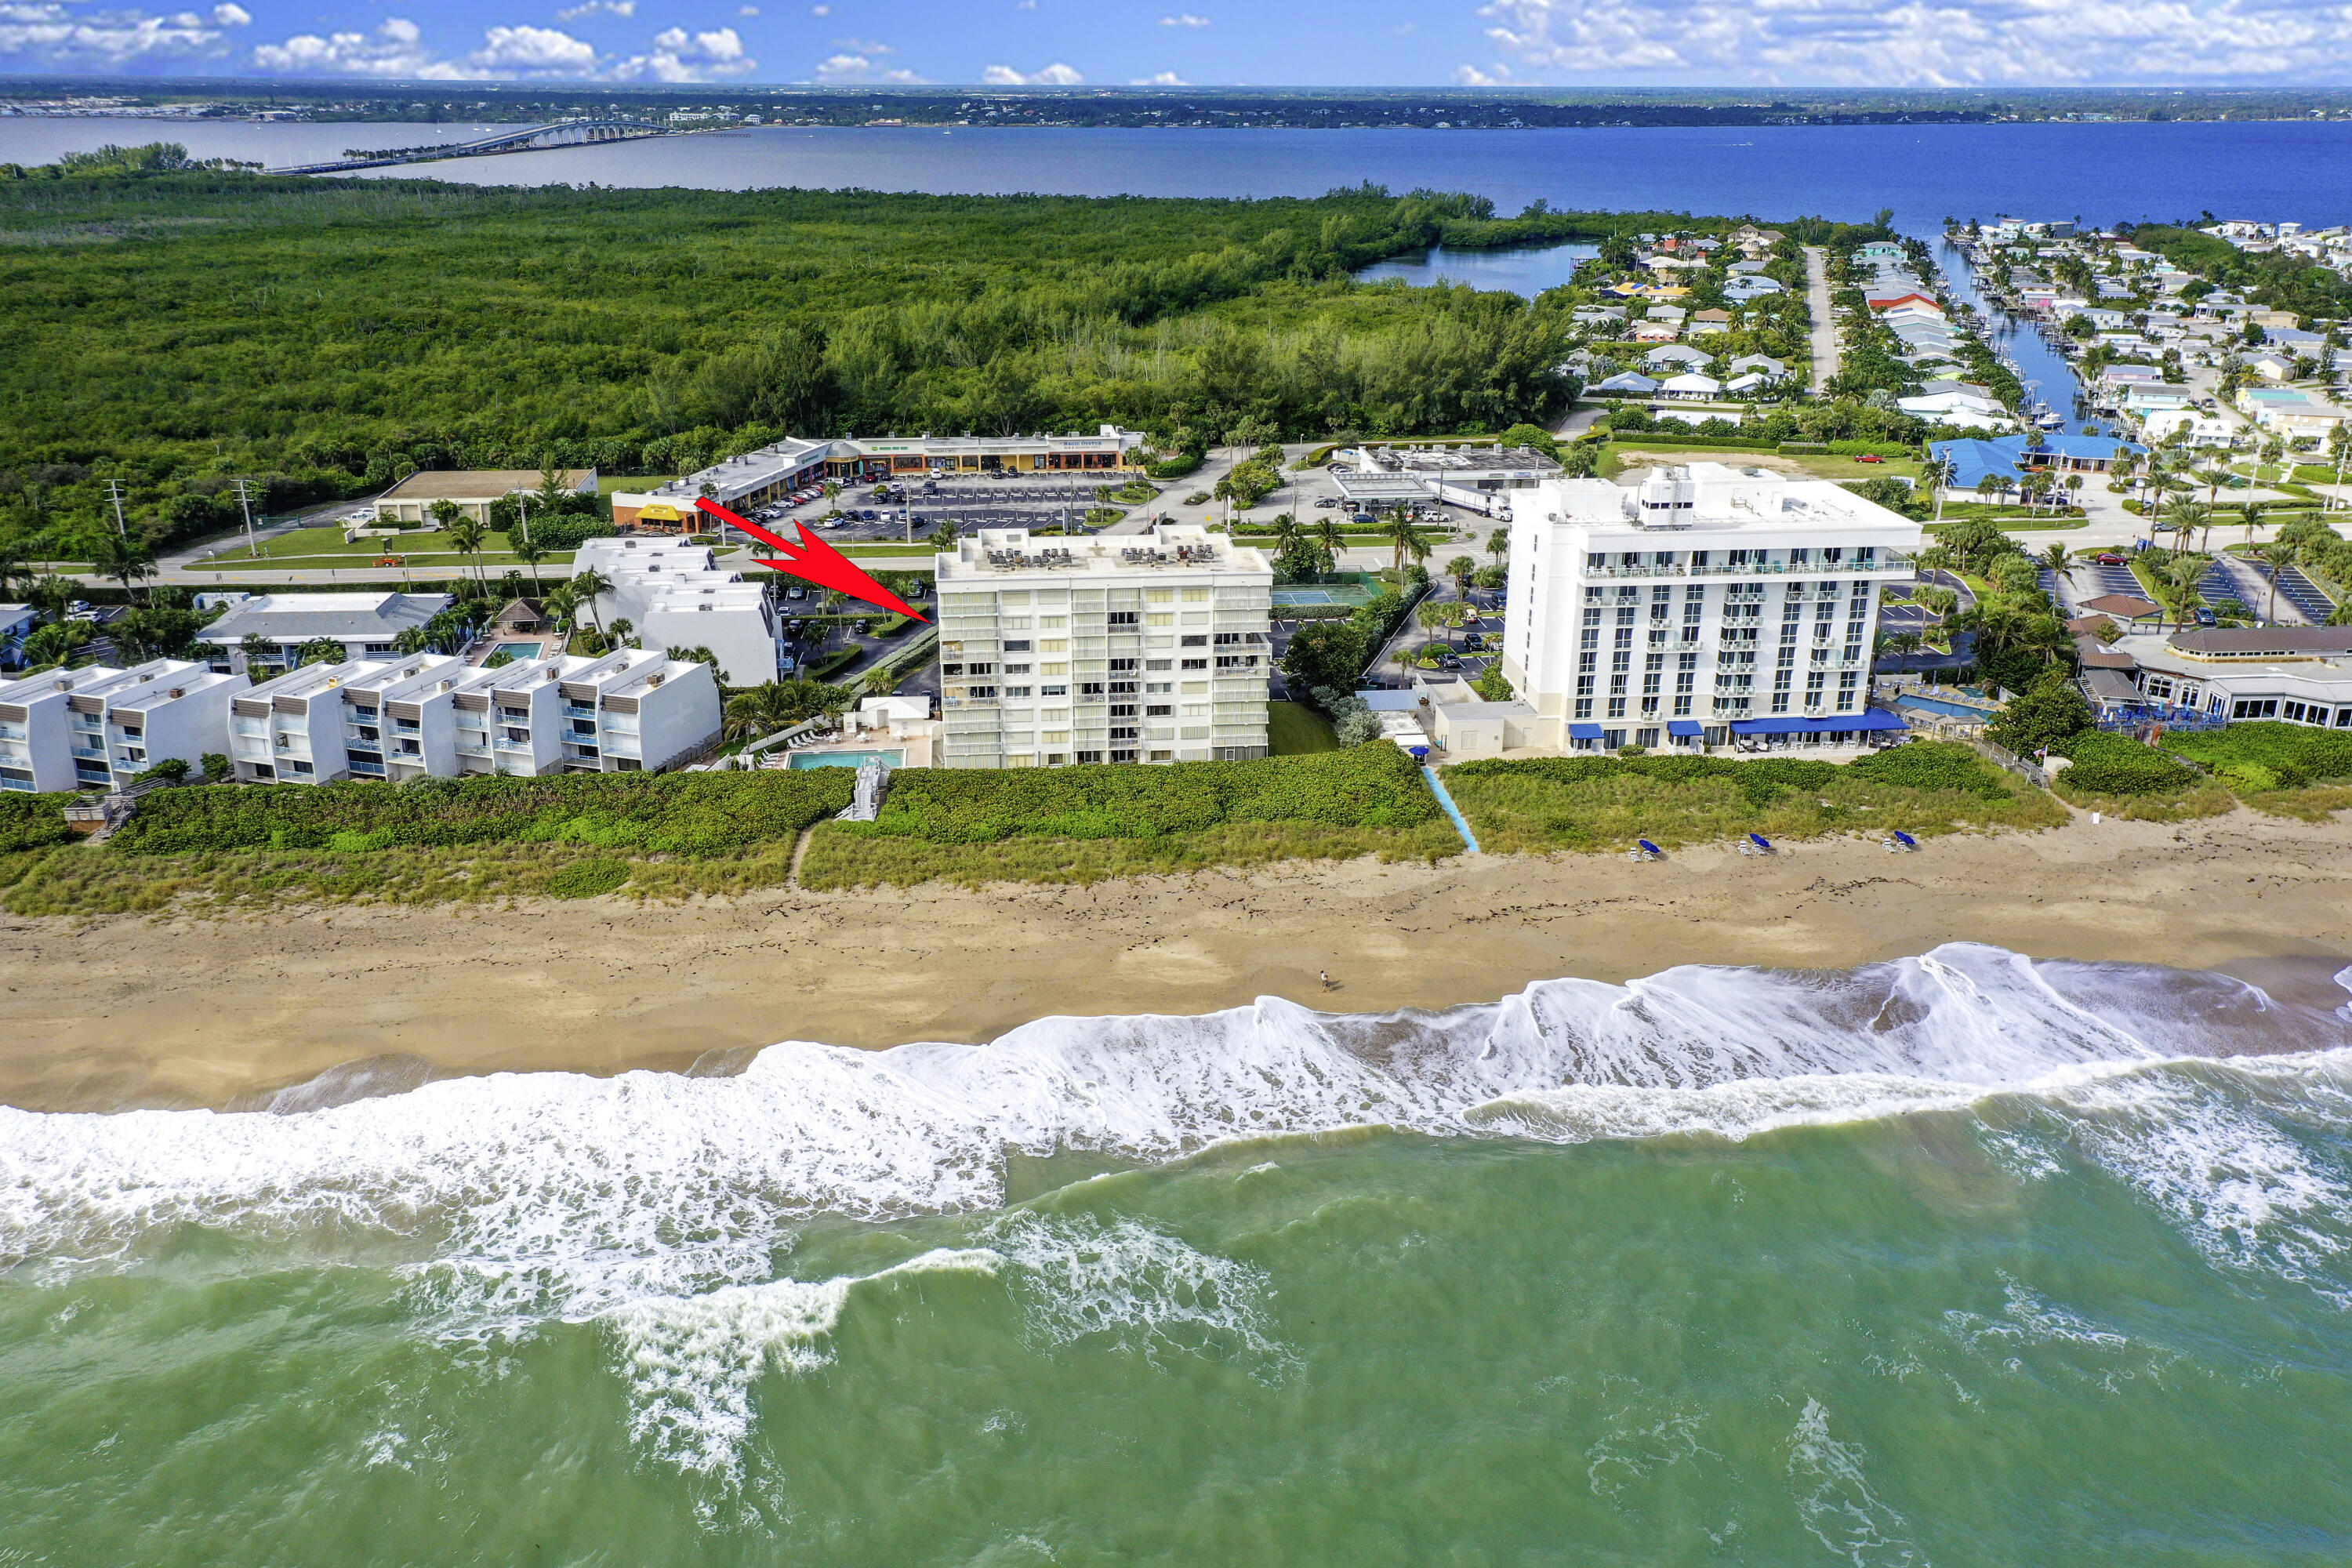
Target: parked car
(2108, 558)
(2205, 616)
(1869, 458)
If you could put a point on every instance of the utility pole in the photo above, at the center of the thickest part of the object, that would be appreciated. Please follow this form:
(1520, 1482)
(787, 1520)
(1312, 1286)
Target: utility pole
(114, 494)
(245, 501)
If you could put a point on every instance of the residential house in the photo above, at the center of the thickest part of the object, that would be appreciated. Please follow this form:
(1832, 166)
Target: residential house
(366, 624)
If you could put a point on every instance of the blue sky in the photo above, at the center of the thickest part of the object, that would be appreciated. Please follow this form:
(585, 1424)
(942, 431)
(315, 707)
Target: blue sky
(1653, 43)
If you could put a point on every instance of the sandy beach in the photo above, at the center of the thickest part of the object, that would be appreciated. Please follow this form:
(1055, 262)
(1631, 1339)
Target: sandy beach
(131, 1012)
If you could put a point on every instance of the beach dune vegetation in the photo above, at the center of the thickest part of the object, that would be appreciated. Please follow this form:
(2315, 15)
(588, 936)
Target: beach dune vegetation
(1540, 803)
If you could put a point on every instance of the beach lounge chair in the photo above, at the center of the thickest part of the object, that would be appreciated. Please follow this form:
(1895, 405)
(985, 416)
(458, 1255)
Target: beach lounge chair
(1902, 843)
(1756, 844)
(1644, 850)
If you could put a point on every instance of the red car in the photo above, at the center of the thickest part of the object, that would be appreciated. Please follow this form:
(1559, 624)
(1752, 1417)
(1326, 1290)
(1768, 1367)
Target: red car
(2108, 558)
(1870, 457)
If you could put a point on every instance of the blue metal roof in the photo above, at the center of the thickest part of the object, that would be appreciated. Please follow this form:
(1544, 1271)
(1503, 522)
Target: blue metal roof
(1584, 732)
(2004, 457)
(1790, 725)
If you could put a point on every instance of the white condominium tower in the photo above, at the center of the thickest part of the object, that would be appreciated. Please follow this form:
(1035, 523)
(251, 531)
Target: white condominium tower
(1148, 647)
(1704, 602)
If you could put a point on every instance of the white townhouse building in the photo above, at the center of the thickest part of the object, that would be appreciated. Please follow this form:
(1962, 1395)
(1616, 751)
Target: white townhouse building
(97, 729)
(1708, 603)
(36, 747)
(365, 623)
(1151, 647)
(673, 594)
(631, 711)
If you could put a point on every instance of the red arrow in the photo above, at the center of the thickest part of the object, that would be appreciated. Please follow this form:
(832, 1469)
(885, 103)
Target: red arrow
(819, 563)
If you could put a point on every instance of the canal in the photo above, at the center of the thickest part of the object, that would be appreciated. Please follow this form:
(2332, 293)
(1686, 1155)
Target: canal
(2046, 373)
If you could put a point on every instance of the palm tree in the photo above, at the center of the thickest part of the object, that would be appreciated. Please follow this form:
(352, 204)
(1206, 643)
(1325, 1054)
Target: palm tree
(466, 534)
(621, 631)
(531, 554)
(2185, 514)
(2181, 575)
(124, 559)
(1405, 536)
(2251, 514)
(1579, 460)
(2054, 558)
(1462, 568)
(412, 640)
(588, 585)
(59, 642)
(257, 649)
(1331, 536)
(563, 605)
(2278, 558)
(324, 650)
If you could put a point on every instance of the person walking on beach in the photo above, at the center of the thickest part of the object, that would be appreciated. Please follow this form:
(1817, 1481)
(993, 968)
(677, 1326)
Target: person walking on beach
(1324, 976)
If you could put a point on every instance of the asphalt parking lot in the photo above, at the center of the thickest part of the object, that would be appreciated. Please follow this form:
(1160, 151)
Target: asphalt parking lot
(1034, 503)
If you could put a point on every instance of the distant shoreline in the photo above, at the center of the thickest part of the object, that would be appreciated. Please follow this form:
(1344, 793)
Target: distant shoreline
(122, 1012)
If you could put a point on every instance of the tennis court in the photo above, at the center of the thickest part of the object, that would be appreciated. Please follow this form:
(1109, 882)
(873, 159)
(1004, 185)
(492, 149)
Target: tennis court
(1321, 596)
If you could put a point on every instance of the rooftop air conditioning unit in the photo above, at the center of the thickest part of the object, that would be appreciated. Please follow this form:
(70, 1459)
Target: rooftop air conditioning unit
(177, 691)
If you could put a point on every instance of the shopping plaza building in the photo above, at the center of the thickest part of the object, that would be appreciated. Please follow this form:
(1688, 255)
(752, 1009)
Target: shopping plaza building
(1706, 605)
(771, 473)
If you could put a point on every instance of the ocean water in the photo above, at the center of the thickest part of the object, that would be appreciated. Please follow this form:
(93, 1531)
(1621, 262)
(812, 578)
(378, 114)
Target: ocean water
(1962, 1258)
(2102, 173)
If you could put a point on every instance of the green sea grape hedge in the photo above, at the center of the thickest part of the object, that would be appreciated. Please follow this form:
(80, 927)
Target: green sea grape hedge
(2108, 763)
(1362, 786)
(2260, 757)
(1921, 764)
(33, 821)
(676, 814)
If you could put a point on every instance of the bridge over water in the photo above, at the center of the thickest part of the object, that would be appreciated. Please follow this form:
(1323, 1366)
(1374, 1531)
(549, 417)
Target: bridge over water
(529, 139)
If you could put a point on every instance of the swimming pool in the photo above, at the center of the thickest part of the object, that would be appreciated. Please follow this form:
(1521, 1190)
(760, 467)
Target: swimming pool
(519, 650)
(1939, 705)
(846, 759)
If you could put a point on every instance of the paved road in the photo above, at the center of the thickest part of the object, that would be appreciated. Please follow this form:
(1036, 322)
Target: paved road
(1817, 300)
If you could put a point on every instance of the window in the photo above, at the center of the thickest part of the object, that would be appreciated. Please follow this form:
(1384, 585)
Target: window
(1054, 691)
(1122, 756)
(1616, 708)
(1018, 645)
(1160, 711)
(1090, 756)
(1016, 670)
(1584, 708)
(2255, 708)
(1122, 666)
(1155, 664)
(1194, 664)
(1090, 688)
(1122, 618)
(1016, 691)
(1194, 639)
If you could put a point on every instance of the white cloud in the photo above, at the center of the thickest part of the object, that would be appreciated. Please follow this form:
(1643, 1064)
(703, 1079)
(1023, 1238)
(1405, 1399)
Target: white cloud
(1471, 76)
(597, 8)
(1026, 5)
(862, 47)
(1165, 79)
(394, 49)
(1054, 75)
(1183, 19)
(397, 48)
(747, 10)
(534, 51)
(677, 56)
(819, 10)
(1930, 42)
(855, 68)
(52, 34)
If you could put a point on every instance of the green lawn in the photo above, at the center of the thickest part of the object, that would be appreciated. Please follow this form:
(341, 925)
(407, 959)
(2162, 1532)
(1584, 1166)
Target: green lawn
(324, 547)
(634, 483)
(1292, 728)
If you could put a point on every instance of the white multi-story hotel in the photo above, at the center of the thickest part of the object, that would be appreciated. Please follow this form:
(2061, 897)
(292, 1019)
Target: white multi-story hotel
(100, 728)
(674, 595)
(429, 715)
(1705, 603)
(1150, 647)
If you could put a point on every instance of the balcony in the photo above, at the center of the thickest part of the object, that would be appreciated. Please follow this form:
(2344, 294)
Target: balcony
(366, 770)
(506, 746)
(13, 732)
(89, 754)
(1891, 561)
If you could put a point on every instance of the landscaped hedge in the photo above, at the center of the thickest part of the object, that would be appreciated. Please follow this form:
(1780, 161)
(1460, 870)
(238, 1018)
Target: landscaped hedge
(835, 660)
(2108, 763)
(1173, 469)
(1922, 764)
(683, 814)
(1373, 785)
(33, 821)
(2260, 756)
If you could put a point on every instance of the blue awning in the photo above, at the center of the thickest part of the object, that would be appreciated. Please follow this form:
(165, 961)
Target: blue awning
(1790, 725)
(1682, 727)
(1584, 732)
